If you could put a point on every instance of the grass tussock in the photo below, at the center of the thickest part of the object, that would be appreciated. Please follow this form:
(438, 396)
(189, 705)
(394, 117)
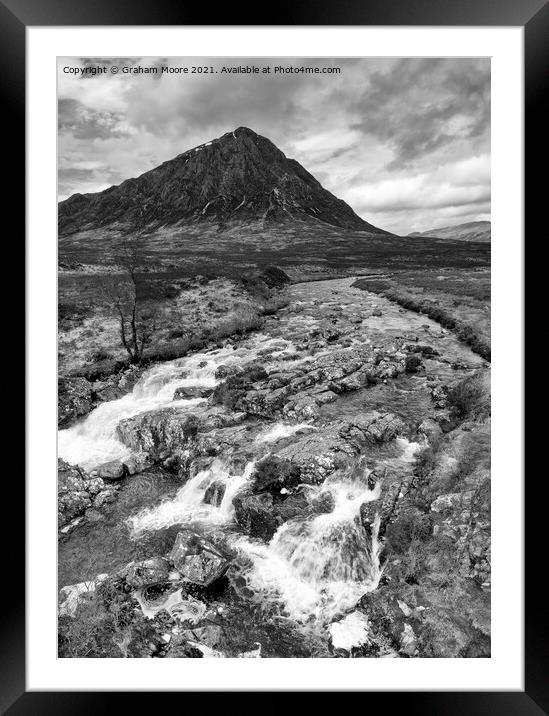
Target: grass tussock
(234, 387)
(470, 398)
(105, 625)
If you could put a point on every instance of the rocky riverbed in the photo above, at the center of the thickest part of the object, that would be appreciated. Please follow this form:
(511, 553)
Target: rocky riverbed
(319, 489)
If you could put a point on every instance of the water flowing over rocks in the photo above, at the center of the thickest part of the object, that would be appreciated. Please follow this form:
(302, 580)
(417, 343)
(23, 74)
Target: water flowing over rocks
(328, 489)
(78, 395)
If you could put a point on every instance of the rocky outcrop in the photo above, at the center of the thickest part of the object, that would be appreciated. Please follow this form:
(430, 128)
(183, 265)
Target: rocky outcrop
(117, 385)
(300, 391)
(78, 491)
(74, 399)
(78, 395)
(175, 438)
(159, 433)
(317, 455)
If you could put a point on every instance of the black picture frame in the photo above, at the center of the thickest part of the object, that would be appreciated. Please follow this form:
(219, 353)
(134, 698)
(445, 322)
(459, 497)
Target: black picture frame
(533, 15)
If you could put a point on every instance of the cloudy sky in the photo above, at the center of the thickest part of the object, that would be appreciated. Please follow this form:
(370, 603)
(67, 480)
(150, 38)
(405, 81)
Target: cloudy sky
(406, 142)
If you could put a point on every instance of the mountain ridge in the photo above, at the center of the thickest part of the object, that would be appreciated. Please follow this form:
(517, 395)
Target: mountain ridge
(469, 231)
(240, 177)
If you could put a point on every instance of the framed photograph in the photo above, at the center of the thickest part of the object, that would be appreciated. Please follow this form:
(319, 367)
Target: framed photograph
(275, 365)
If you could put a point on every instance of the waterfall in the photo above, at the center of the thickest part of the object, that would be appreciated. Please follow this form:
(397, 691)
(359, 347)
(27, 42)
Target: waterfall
(93, 440)
(188, 506)
(318, 566)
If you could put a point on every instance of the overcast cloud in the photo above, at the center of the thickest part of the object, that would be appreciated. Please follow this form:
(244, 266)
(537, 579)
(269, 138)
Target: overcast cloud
(406, 142)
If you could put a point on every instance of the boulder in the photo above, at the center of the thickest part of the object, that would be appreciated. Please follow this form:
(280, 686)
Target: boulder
(149, 571)
(273, 473)
(105, 390)
(214, 493)
(208, 635)
(102, 498)
(224, 371)
(74, 399)
(197, 560)
(160, 433)
(219, 417)
(408, 641)
(72, 595)
(192, 392)
(296, 505)
(427, 351)
(112, 470)
(235, 386)
(255, 515)
(137, 462)
(93, 515)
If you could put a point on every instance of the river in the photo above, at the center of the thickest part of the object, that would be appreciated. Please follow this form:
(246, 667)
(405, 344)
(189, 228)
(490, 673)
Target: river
(315, 566)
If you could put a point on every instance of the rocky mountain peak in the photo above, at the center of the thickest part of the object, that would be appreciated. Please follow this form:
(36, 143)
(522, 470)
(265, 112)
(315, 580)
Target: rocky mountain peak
(238, 178)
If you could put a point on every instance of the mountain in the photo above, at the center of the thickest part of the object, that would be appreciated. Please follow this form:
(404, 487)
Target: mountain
(239, 178)
(471, 231)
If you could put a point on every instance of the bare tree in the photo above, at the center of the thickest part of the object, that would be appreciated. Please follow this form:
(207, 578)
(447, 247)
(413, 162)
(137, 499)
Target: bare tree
(137, 320)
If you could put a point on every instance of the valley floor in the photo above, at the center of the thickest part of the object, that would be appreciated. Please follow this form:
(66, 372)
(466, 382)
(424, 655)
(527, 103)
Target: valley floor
(318, 487)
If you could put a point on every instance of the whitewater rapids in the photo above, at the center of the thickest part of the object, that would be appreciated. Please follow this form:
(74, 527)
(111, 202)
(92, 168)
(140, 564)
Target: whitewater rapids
(315, 567)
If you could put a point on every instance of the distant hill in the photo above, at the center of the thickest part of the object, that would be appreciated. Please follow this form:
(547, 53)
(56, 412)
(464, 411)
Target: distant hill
(471, 231)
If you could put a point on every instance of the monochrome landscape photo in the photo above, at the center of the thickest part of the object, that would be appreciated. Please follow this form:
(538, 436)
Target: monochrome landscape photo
(274, 357)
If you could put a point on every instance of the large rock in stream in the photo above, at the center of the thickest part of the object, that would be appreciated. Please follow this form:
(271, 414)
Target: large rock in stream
(197, 559)
(260, 515)
(166, 432)
(160, 433)
(317, 455)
